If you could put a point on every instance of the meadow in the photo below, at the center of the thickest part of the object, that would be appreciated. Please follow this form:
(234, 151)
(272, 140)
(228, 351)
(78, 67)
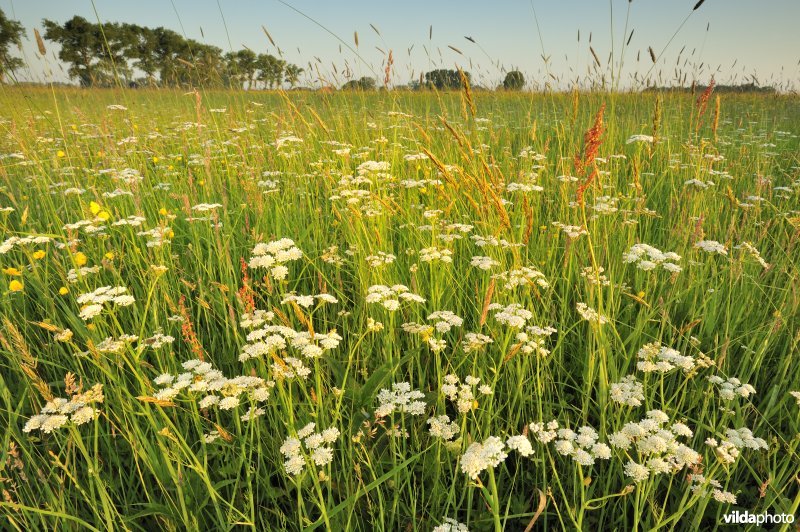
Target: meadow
(396, 310)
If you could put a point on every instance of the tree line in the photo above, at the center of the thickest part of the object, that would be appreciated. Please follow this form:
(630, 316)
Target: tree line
(104, 55)
(110, 54)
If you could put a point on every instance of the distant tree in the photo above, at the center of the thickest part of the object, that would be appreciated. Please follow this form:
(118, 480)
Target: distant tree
(292, 74)
(363, 84)
(514, 81)
(10, 36)
(444, 79)
(270, 70)
(79, 43)
(143, 52)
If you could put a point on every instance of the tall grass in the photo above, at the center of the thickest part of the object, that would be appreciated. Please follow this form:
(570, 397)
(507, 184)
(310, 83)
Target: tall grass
(144, 462)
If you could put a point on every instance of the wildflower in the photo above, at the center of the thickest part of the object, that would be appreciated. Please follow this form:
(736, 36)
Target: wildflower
(401, 398)
(730, 388)
(442, 427)
(274, 255)
(512, 315)
(79, 410)
(532, 340)
(475, 342)
(647, 257)
(451, 525)
(796, 395)
(94, 302)
(521, 444)
(522, 277)
(391, 297)
(380, 259)
(640, 138)
(15, 286)
(654, 357)
(711, 246)
(481, 456)
(656, 445)
(462, 394)
(628, 391)
(637, 472)
(433, 254)
(316, 446)
(589, 314)
(484, 263)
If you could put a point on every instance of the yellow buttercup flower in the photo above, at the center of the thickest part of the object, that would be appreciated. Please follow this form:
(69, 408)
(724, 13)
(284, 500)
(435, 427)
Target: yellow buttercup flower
(11, 271)
(104, 215)
(94, 207)
(60, 153)
(155, 160)
(63, 290)
(39, 254)
(110, 255)
(162, 211)
(15, 286)
(80, 259)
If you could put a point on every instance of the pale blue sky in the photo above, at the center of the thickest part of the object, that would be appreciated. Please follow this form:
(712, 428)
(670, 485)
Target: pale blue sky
(760, 35)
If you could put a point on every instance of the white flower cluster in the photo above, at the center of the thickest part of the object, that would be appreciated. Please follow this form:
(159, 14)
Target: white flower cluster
(751, 250)
(257, 318)
(14, 241)
(711, 246)
(93, 302)
(647, 258)
(111, 345)
(316, 446)
(628, 391)
(512, 315)
(572, 231)
(201, 377)
(589, 314)
(476, 342)
(483, 263)
(463, 394)
(735, 440)
(158, 340)
(658, 449)
(796, 396)
(380, 259)
(157, 237)
(307, 301)
(56, 413)
(582, 446)
(451, 525)
(483, 241)
(532, 340)
(595, 277)
(481, 456)
(441, 427)
(433, 254)
(522, 277)
(491, 453)
(445, 320)
(732, 387)
(274, 255)
(401, 398)
(655, 357)
(699, 483)
(391, 296)
(640, 138)
(73, 275)
(270, 339)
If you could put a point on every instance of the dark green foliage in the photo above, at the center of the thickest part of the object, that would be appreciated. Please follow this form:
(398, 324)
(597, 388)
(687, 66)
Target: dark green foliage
(514, 81)
(10, 36)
